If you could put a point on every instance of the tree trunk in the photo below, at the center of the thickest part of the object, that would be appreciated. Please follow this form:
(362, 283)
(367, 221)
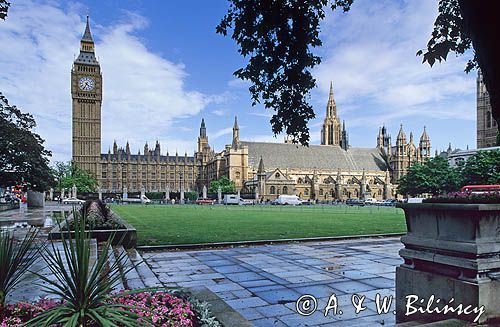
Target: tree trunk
(482, 24)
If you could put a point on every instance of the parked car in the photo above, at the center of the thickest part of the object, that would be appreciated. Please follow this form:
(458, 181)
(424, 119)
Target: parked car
(355, 202)
(288, 200)
(202, 201)
(243, 202)
(73, 201)
(371, 201)
(390, 202)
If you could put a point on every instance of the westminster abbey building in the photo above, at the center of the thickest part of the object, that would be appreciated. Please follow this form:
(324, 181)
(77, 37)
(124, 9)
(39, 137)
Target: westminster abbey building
(331, 171)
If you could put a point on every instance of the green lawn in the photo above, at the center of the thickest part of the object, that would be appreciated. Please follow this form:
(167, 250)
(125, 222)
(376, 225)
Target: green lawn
(160, 224)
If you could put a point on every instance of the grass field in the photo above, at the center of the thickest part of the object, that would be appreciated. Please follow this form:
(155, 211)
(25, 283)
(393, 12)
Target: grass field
(160, 224)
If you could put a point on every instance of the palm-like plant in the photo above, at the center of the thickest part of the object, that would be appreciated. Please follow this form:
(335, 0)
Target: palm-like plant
(83, 287)
(16, 257)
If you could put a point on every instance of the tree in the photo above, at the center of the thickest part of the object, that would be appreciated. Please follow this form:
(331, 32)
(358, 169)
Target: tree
(4, 7)
(483, 168)
(23, 158)
(68, 174)
(278, 37)
(226, 185)
(469, 24)
(435, 176)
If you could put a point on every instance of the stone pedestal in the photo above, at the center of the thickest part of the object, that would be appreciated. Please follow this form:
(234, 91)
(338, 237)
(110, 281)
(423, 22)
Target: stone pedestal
(452, 251)
(182, 195)
(125, 193)
(219, 195)
(36, 199)
(204, 191)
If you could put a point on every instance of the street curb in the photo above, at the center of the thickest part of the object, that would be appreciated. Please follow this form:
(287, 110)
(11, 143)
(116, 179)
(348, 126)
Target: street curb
(198, 246)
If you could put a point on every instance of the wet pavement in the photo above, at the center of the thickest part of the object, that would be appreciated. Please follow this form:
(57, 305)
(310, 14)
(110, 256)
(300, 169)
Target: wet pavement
(263, 283)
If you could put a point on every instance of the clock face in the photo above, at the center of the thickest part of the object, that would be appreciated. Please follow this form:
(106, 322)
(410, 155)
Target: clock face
(86, 84)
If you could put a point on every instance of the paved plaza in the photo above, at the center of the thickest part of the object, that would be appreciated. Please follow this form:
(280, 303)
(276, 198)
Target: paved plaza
(264, 282)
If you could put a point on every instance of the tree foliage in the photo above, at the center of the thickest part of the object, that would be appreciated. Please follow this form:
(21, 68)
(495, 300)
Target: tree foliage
(226, 185)
(4, 7)
(23, 158)
(483, 168)
(68, 174)
(435, 176)
(278, 37)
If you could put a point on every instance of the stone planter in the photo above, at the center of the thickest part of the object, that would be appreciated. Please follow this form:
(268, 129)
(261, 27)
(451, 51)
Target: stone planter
(452, 251)
(126, 237)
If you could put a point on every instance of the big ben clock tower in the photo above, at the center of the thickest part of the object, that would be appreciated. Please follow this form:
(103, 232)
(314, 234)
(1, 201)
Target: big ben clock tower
(86, 93)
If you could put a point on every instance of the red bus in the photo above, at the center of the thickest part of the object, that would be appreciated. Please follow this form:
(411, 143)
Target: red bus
(479, 189)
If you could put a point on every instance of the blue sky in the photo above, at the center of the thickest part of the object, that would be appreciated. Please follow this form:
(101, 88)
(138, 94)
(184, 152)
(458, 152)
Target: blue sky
(164, 68)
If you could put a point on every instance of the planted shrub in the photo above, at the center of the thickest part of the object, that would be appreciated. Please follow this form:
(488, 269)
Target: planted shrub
(466, 198)
(97, 217)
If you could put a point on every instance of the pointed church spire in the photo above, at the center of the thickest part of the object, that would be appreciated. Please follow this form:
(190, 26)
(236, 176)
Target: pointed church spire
(424, 136)
(236, 134)
(127, 148)
(331, 108)
(87, 36)
(203, 129)
(401, 134)
(261, 170)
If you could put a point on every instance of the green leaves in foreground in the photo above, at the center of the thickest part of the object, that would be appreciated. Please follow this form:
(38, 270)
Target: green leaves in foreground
(83, 286)
(16, 257)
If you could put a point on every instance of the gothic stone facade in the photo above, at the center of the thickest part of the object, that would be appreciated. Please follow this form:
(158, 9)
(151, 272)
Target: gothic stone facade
(330, 171)
(486, 125)
(120, 169)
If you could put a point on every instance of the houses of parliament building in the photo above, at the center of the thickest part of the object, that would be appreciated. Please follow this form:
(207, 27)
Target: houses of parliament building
(330, 171)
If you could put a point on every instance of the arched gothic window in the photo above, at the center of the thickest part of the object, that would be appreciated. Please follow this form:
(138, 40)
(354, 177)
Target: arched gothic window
(272, 190)
(285, 190)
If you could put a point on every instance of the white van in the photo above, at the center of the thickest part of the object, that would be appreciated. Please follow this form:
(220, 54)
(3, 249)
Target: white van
(231, 199)
(288, 200)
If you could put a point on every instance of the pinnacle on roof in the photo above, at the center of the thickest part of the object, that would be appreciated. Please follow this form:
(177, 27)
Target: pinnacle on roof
(401, 133)
(235, 126)
(331, 108)
(424, 136)
(87, 36)
(261, 166)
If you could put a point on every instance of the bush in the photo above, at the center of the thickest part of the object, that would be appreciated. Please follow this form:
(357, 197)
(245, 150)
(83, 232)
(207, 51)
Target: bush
(466, 198)
(155, 195)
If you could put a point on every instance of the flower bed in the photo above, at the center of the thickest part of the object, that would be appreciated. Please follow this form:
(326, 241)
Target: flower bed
(165, 309)
(466, 197)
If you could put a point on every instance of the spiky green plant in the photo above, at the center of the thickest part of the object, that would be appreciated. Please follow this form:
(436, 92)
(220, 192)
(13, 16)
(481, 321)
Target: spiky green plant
(84, 287)
(16, 257)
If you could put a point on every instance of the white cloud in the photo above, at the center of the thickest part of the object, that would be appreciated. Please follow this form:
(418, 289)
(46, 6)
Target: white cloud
(370, 54)
(219, 112)
(219, 133)
(143, 91)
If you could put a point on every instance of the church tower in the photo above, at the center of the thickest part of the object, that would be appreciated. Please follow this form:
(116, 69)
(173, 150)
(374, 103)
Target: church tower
(86, 93)
(330, 132)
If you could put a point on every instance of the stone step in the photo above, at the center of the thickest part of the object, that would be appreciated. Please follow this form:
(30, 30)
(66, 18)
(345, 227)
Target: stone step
(111, 261)
(131, 279)
(146, 274)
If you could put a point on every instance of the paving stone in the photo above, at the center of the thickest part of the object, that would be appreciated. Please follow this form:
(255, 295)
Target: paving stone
(230, 269)
(380, 282)
(255, 283)
(244, 276)
(224, 287)
(352, 287)
(246, 303)
(279, 296)
(250, 313)
(266, 322)
(274, 310)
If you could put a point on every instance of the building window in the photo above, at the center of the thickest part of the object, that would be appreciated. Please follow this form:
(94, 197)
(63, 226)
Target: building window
(285, 190)
(306, 192)
(300, 180)
(124, 174)
(172, 175)
(488, 119)
(277, 175)
(144, 175)
(238, 175)
(114, 174)
(272, 190)
(320, 191)
(103, 174)
(162, 175)
(278, 190)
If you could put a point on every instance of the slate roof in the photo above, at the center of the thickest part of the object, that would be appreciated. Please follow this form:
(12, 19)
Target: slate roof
(87, 58)
(293, 156)
(141, 157)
